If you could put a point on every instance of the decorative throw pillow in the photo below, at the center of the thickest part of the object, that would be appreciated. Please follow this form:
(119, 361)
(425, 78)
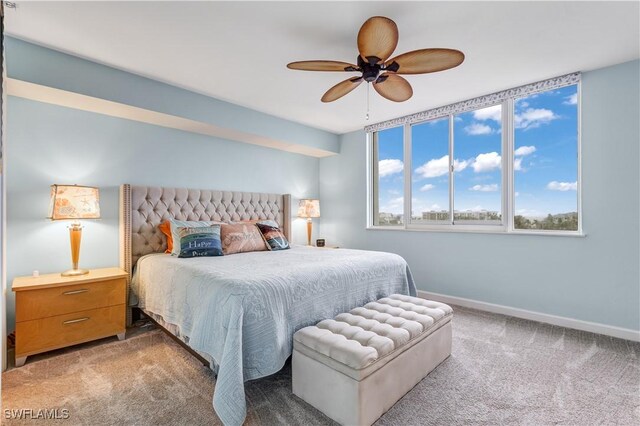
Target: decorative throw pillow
(272, 235)
(175, 224)
(199, 241)
(241, 238)
(165, 228)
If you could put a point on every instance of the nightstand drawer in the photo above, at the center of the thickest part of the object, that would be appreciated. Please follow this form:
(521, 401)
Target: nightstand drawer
(63, 330)
(49, 302)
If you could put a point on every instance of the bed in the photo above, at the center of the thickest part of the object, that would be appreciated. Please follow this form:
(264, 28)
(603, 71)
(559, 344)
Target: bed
(240, 311)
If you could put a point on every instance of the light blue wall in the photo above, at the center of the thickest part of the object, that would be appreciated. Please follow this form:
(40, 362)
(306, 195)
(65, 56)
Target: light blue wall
(49, 144)
(593, 279)
(37, 64)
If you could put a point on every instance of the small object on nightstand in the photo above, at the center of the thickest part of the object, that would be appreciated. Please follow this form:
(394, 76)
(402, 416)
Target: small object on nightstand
(54, 311)
(320, 242)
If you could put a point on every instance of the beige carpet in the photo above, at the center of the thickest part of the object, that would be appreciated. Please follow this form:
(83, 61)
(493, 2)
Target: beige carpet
(502, 371)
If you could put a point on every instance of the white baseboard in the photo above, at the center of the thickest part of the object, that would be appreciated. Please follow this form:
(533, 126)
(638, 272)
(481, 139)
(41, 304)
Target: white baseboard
(593, 327)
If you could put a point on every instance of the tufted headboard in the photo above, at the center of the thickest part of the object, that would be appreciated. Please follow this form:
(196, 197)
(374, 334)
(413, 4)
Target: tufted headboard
(143, 208)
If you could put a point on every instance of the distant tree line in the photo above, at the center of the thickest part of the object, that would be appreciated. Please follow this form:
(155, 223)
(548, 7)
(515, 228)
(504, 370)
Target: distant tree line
(559, 222)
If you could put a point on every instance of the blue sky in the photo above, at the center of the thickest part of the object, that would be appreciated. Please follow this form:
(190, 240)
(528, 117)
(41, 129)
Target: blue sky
(545, 165)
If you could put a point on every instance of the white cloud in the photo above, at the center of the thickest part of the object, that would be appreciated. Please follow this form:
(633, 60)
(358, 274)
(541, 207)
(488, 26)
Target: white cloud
(476, 209)
(562, 186)
(492, 113)
(460, 165)
(440, 166)
(394, 205)
(493, 187)
(525, 150)
(435, 207)
(533, 117)
(389, 167)
(487, 162)
(517, 164)
(427, 187)
(517, 194)
(571, 100)
(478, 129)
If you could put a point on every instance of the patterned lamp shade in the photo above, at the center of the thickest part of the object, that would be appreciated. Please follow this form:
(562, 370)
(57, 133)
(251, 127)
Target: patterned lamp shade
(309, 208)
(74, 202)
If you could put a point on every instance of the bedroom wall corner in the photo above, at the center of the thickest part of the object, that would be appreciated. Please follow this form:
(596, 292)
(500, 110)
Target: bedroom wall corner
(343, 193)
(593, 279)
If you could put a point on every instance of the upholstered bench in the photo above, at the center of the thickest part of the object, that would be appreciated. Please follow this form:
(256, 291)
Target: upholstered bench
(355, 367)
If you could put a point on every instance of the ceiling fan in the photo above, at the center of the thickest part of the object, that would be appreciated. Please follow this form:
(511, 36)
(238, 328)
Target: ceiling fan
(377, 39)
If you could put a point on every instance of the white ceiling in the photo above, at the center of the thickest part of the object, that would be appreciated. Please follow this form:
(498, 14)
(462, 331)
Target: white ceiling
(237, 51)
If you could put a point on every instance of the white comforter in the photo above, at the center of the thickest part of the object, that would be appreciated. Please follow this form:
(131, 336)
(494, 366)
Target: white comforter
(243, 309)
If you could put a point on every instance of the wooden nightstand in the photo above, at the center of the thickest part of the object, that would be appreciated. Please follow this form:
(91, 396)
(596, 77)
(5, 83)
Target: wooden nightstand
(53, 311)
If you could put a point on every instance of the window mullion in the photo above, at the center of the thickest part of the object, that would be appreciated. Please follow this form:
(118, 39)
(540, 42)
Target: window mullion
(373, 179)
(406, 137)
(451, 170)
(508, 193)
(372, 185)
(579, 157)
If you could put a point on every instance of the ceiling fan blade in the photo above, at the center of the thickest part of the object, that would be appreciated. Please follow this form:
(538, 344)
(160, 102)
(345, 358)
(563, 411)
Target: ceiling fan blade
(424, 61)
(322, 66)
(393, 87)
(341, 89)
(378, 38)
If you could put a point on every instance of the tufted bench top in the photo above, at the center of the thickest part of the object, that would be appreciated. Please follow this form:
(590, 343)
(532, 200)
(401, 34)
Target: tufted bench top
(363, 340)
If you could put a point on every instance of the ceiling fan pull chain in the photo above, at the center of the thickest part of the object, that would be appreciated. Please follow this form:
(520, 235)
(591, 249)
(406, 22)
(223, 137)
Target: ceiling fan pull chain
(366, 117)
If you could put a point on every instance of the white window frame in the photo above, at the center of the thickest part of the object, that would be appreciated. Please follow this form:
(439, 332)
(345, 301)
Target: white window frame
(507, 100)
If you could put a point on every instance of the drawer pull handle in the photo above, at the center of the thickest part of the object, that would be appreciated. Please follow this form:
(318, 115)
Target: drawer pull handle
(75, 320)
(69, 293)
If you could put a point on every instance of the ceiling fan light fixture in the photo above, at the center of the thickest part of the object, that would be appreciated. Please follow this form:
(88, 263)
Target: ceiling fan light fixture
(377, 39)
(370, 71)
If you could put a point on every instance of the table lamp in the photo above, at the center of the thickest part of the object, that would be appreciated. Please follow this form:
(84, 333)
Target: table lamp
(74, 202)
(309, 208)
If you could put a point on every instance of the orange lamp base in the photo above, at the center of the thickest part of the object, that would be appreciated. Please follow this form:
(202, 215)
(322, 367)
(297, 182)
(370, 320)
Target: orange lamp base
(309, 227)
(75, 236)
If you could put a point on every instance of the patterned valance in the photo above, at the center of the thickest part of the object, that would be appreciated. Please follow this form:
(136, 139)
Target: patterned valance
(479, 102)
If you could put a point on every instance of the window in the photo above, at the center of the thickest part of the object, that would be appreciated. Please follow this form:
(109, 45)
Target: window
(546, 160)
(470, 186)
(388, 171)
(477, 166)
(511, 165)
(430, 177)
